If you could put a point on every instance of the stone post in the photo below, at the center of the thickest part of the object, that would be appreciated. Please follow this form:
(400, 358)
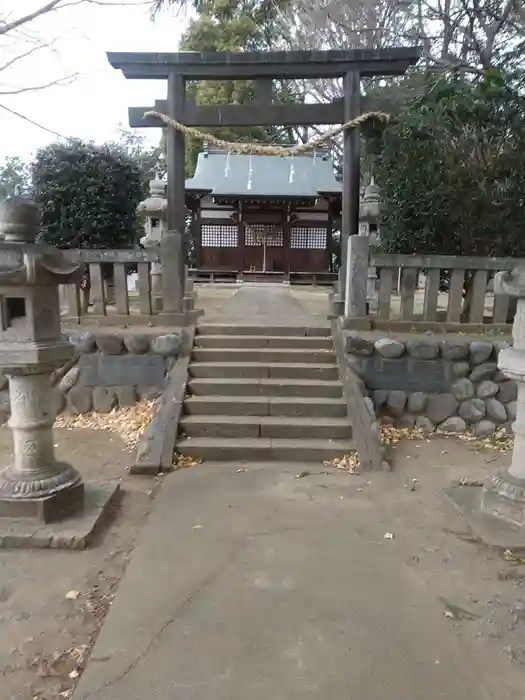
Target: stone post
(504, 494)
(155, 209)
(35, 485)
(356, 277)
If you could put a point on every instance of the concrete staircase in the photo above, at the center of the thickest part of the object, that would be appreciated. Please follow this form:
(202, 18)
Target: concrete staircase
(261, 393)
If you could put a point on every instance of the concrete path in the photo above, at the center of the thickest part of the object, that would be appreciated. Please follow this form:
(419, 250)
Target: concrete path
(266, 304)
(256, 585)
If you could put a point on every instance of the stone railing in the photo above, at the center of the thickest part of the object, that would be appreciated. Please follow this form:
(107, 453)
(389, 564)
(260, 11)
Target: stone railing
(440, 289)
(421, 292)
(125, 287)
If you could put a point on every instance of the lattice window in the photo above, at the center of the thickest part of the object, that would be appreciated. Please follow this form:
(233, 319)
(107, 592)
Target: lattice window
(306, 237)
(218, 236)
(255, 233)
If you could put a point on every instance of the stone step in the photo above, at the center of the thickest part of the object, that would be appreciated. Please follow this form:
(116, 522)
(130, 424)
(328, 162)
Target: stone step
(263, 355)
(250, 387)
(286, 427)
(226, 329)
(272, 370)
(263, 449)
(260, 341)
(265, 406)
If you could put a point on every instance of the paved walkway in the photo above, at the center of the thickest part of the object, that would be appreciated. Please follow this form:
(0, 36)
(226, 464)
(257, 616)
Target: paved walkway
(253, 584)
(263, 304)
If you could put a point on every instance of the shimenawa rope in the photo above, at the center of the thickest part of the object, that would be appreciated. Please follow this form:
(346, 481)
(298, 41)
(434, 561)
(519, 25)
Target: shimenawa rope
(263, 150)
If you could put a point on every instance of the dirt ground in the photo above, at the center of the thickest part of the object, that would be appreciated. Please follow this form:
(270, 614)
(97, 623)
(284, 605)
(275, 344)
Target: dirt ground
(45, 634)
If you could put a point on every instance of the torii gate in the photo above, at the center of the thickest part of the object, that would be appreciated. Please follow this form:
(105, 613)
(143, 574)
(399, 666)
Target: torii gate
(262, 68)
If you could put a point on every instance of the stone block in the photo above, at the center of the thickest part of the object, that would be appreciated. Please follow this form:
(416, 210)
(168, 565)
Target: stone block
(496, 410)
(80, 400)
(389, 348)
(508, 391)
(463, 389)
(104, 399)
(425, 348)
(356, 345)
(460, 369)
(370, 407)
(110, 344)
(396, 401)
(406, 421)
(454, 424)
(124, 370)
(149, 393)
(480, 351)
(483, 371)
(487, 389)
(126, 396)
(379, 397)
(58, 506)
(416, 402)
(405, 374)
(440, 407)
(472, 410)
(454, 351)
(137, 344)
(167, 345)
(484, 428)
(424, 424)
(511, 410)
(83, 341)
(3, 382)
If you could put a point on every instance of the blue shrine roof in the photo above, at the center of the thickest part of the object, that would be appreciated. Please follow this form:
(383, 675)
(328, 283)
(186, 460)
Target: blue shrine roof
(304, 176)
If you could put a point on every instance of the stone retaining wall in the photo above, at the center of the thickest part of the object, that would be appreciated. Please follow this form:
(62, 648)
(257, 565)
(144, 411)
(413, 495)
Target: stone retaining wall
(109, 371)
(450, 385)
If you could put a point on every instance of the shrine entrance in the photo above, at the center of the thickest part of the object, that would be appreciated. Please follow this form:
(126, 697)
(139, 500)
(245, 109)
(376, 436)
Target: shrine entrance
(304, 196)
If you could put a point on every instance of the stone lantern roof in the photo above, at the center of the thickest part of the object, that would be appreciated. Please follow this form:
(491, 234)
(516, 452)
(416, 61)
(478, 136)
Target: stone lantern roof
(156, 204)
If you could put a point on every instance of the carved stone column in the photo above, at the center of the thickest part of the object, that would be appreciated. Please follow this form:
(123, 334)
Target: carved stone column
(31, 346)
(504, 494)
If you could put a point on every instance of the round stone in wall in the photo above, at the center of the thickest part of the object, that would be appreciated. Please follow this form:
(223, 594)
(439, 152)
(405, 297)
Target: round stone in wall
(83, 341)
(396, 401)
(422, 348)
(389, 348)
(480, 351)
(80, 400)
(454, 424)
(379, 397)
(484, 371)
(424, 424)
(508, 391)
(454, 351)
(460, 369)
(487, 389)
(496, 411)
(167, 345)
(416, 402)
(472, 410)
(406, 421)
(440, 407)
(484, 428)
(110, 344)
(463, 389)
(359, 346)
(137, 344)
(104, 399)
(511, 410)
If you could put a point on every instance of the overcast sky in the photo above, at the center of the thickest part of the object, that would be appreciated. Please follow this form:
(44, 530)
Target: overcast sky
(93, 104)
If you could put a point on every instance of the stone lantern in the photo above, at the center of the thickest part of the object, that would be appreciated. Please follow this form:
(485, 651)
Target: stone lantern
(155, 210)
(504, 494)
(368, 218)
(31, 347)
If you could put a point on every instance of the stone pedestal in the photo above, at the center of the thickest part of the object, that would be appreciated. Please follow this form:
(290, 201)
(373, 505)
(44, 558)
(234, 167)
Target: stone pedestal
(504, 494)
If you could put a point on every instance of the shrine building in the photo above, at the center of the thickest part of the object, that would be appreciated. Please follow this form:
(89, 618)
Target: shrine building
(260, 213)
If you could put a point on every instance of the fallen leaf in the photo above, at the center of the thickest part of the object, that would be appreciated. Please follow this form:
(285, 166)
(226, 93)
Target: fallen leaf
(388, 536)
(301, 475)
(72, 595)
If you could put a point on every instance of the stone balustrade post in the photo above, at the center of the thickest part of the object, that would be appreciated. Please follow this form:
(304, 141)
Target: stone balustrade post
(356, 277)
(504, 494)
